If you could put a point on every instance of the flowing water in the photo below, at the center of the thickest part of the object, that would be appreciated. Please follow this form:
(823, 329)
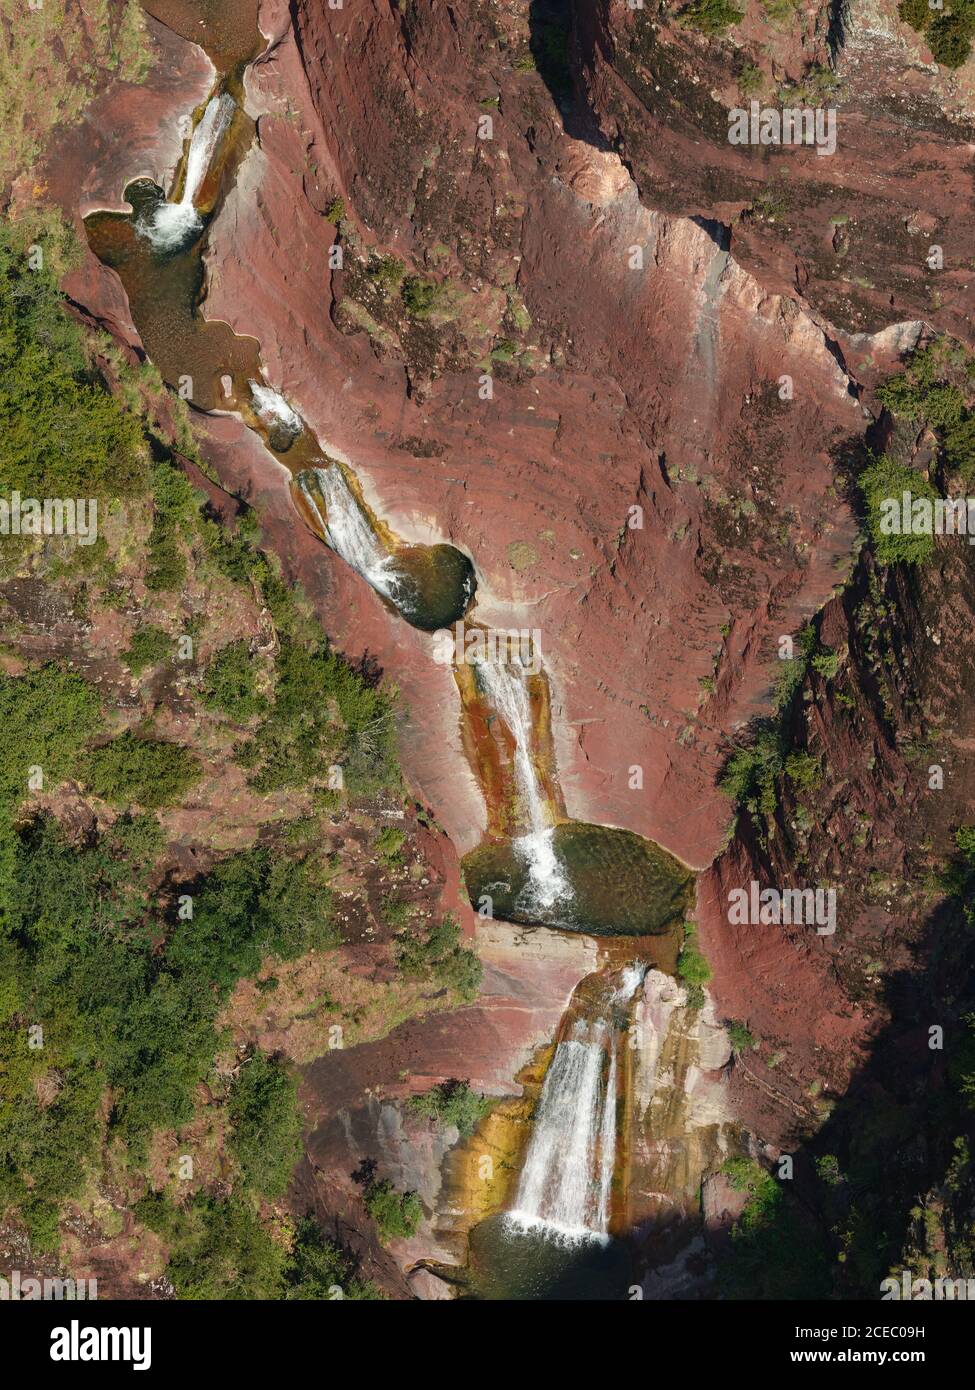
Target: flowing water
(170, 226)
(281, 422)
(348, 531)
(556, 1241)
(505, 686)
(432, 586)
(567, 1177)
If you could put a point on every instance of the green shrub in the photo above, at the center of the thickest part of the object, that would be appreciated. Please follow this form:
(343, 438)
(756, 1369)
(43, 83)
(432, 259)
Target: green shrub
(751, 79)
(419, 296)
(64, 435)
(397, 913)
(299, 739)
(250, 906)
(828, 1169)
(917, 13)
(741, 1038)
(440, 956)
(386, 272)
(692, 968)
(266, 1135)
(451, 1103)
(143, 771)
(396, 1214)
(149, 646)
(176, 519)
(775, 1252)
(950, 40)
(47, 715)
(880, 483)
(965, 840)
(218, 1248)
(711, 16)
(319, 1271)
(804, 770)
(749, 775)
(389, 842)
(826, 662)
(230, 684)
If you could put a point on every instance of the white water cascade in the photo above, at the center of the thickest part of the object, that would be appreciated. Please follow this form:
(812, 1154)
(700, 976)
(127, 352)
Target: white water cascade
(274, 411)
(566, 1182)
(506, 687)
(171, 224)
(348, 531)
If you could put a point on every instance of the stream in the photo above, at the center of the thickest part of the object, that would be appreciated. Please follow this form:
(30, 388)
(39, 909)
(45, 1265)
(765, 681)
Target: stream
(537, 866)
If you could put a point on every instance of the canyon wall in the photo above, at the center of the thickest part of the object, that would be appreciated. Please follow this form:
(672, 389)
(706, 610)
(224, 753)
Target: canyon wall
(681, 337)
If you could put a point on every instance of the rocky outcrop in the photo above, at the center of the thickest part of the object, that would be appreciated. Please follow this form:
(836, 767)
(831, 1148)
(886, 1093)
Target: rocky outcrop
(681, 1127)
(850, 232)
(353, 1099)
(876, 827)
(660, 529)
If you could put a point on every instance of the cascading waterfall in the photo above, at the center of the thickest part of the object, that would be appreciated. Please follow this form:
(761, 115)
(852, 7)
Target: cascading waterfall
(275, 413)
(506, 687)
(348, 532)
(566, 1182)
(170, 225)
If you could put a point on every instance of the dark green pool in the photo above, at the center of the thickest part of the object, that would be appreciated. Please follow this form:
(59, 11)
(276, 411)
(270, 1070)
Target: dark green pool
(621, 884)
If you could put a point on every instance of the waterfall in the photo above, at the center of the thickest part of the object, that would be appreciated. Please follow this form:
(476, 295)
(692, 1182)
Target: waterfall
(566, 1182)
(274, 411)
(506, 688)
(349, 533)
(169, 225)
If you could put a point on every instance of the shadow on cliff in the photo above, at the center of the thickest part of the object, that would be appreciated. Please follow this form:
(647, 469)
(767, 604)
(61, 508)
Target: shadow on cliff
(887, 1181)
(550, 24)
(891, 1156)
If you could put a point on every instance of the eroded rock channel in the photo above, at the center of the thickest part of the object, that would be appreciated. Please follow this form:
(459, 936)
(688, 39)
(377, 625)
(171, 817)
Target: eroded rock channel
(561, 1218)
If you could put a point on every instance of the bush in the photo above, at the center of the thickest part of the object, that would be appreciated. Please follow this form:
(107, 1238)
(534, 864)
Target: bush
(149, 646)
(389, 842)
(47, 716)
(419, 296)
(750, 773)
(965, 840)
(266, 1137)
(917, 13)
(300, 738)
(252, 905)
(949, 39)
(386, 272)
(145, 771)
(230, 684)
(319, 1270)
(885, 481)
(711, 16)
(64, 435)
(176, 517)
(451, 1103)
(441, 956)
(218, 1248)
(396, 1214)
(692, 968)
(804, 770)
(741, 1039)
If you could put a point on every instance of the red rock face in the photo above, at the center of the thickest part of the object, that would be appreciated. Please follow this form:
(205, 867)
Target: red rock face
(651, 484)
(850, 232)
(742, 537)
